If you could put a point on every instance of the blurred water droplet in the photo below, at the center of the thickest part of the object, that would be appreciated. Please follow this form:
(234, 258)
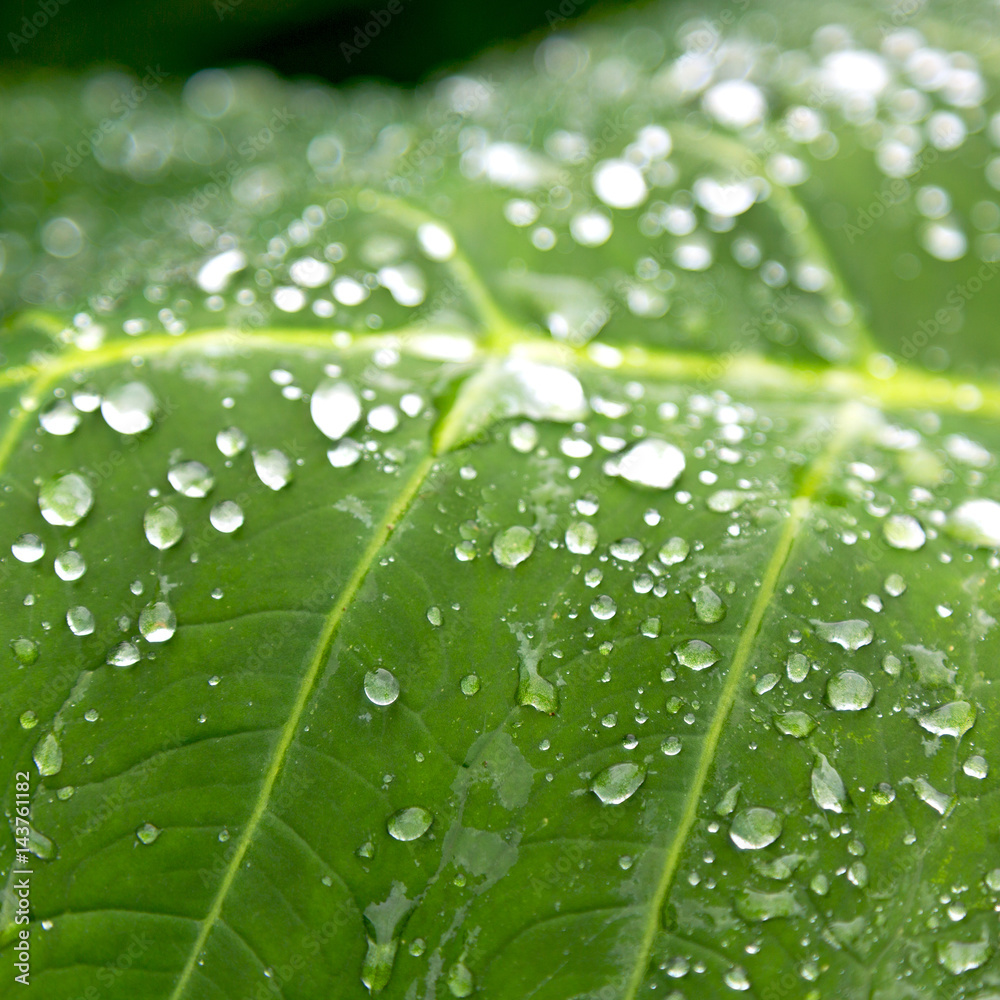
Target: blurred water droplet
(675, 550)
(231, 441)
(335, 408)
(976, 522)
(345, 454)
(129, 408)
(65, 500)
(28, 548)
(581, 538)
(957, 957)
(618, 782)
(902, 531)
(60, 418)
(147, 833)
(653, 462)
(26, 650)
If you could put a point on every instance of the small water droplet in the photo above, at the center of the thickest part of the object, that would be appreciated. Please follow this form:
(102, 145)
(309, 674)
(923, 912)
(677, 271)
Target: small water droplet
(828, 790)
(125, 654)
(273, 468)
(26, 650)
(674, 550)
(28, 719)
(581, 538)
(976, 767)
(903, 531)
(147, 833)
(129, 408)
(460, 981)
(470, 684)
(28, 548)
(70, 565)
(755, 828)
(335, 408)
(157, 622)
(627, 549)
(231, 441)
(653, 462)
(851, 634)
(80, 620)
(671, 746)
(226, 516)
(797, 668)
(796, 724)
(48, 755)
(708, 606)
(434, 615)
(603, 608)
(60, 418)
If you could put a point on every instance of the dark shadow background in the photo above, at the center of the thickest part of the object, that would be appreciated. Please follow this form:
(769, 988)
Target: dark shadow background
(399, 40)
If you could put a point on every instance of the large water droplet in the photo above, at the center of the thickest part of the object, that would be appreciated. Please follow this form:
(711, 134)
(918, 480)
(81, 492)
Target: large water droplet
(191, 479)
(409, 824)
(618, 782)
(653, 463)
(957, 957)
(381, 687)
(755, 828)
(28, 548)
(70, 565)
(849, 691)
(65, 500)
(696, 654)
(80, 620)
(902, 531)
(125, 654)
(376, 969)
(335, 408)
(60, 418)
(226, 516)
(512, 546)
(581, 538)
(627, 549)
(851, 634)
(708, 606)
(157, 622)
(162, 525)
(273, 468)
(976, 522)
(828, 790)
(129, 408)
(954, 719)
(48, 755)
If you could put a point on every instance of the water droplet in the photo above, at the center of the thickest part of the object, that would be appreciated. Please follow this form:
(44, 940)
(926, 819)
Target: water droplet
(123, 655)
(162, 525)
(48, 755)
(902, 531)
(726, 501)
(603, 608)
(470, 684)
(26, 650)
(28, 548)
(335, 408)
(976, 522)
(60, 418)
(976, 767)
(674, 550)
(191, 479)
(70, 565)
(696, 654)
(650, 627)
(80, 620)
(381, 687)
(992, 880)
(345, 454)
(28, 719)
(828, 790)
(766, 683)
(226, 516)
(460, 980)
(849, 691)
(147, 833)
(512, 546)
(737, 979)
(883, 794)
(231, 441)
(627, 549)
(708, 606)
(797, 668)
(957, 957)
(954, 719)
(760, 906)
(157, 622)
(940, 802)
(653, 462)
(797, 724)
(618, 782)
(273, 468)
(894, 585)
(129, 408)
(755, 828)
(581, 538)
(851, 634)
(66, 499)
(671, 746)
(417, 947)
(409, 824)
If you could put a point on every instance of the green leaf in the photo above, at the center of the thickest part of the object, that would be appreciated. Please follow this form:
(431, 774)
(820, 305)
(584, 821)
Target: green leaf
(507, 540)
